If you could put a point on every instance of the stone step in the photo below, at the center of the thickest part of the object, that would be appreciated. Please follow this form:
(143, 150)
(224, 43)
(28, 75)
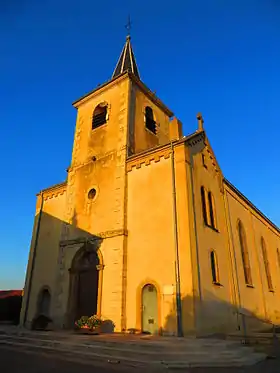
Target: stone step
(191, 362)
(147, 348)
(194, 357)
(254, 338)
(160, 344)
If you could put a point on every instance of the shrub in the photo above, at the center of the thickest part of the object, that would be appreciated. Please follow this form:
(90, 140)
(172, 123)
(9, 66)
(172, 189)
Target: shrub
(91, 322)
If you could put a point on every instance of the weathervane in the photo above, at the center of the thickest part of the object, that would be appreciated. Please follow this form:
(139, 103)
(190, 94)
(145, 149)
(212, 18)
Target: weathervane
(128, 26)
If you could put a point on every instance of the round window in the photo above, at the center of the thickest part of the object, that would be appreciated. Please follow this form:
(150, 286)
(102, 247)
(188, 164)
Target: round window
(92, 193)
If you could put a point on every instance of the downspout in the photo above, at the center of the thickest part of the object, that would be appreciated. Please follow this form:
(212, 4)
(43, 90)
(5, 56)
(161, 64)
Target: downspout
(177, 260)
(236, 290)
(33, 259)
(235, 267)
(259, 266)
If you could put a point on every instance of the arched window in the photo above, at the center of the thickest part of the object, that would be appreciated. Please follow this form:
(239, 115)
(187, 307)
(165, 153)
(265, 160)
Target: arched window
(203, 203)
(212, 210)
(149, 119)
(244, 254)
(214, 267)
(99, 116)
(266, 265)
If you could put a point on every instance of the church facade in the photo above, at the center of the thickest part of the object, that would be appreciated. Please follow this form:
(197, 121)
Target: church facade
(146, 231)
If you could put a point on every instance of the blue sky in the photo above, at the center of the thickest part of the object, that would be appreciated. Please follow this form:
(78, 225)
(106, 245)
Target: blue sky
(215, 56)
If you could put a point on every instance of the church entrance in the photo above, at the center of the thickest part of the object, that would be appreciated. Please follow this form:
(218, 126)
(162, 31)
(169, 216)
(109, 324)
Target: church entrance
(149, 309)
(87, 291)
(84, 284)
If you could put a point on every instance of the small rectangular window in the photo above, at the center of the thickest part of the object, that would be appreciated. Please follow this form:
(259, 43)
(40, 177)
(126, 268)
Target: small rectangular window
(244, 254)
(203, 204)
(214, 267)
(203, 161)
(266, 265)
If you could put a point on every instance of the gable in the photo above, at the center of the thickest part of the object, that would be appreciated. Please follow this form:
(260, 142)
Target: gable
(207, 160)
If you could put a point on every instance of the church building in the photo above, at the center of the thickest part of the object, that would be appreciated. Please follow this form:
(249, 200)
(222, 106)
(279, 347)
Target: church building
(145, 231)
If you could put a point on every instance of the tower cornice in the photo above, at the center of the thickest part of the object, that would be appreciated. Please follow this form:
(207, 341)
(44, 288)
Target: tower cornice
(117, 80)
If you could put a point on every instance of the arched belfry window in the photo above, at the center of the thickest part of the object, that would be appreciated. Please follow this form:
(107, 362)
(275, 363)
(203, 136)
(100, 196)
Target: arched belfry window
(203, 203)
(100, 115)
(149, 119)
(244, 254)
(214, 267)
(266, 264)
(212, 210)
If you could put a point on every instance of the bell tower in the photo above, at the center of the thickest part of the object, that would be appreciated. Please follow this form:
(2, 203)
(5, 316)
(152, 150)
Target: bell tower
(114, 121)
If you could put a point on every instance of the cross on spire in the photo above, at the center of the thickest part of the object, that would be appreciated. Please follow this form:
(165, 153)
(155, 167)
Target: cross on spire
(126, 60)
(128, 26)
(200, 121)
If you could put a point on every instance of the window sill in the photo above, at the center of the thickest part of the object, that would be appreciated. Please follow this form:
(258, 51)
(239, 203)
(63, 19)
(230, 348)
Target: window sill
(150, 131)
(250, 286)
(99, 126)
(217, 284)
(213, 229)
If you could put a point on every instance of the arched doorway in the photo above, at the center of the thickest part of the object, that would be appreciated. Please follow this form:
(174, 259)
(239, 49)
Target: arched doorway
(84, 284)
(149, 309)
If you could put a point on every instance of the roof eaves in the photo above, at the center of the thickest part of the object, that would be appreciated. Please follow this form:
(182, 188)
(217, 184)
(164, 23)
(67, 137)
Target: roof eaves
(53, 187)
(151, 95)
(166, 145)
(245, 199)
(97, 89)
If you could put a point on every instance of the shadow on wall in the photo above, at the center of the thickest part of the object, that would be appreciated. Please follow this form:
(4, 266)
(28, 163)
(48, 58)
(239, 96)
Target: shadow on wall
(81, 267)
(215, 317)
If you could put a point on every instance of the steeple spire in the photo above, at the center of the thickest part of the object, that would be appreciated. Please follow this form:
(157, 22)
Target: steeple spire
(127, 60)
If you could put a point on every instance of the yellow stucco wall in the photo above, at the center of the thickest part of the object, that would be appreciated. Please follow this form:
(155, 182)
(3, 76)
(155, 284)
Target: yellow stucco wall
(150, 257)
(143, 138)
(216, 299)
(47, 248)
(106, 138)
(151, 245)
(257, 302)
(225, 304)
(102, 217)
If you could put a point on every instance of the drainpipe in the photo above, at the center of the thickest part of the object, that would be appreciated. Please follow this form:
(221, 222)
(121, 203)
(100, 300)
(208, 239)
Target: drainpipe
(235, 284)
(236, 290)
(33, 260)
(177, 263)
(235, 268)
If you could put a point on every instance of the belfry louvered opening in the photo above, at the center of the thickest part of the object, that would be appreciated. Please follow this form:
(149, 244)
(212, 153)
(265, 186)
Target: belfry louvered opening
(99, 116)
